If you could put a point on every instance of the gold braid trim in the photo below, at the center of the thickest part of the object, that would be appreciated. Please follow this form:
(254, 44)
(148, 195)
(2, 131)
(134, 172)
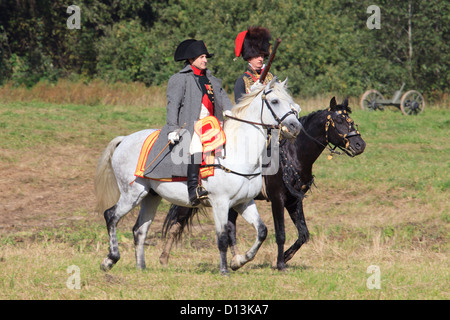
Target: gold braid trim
(248, 80)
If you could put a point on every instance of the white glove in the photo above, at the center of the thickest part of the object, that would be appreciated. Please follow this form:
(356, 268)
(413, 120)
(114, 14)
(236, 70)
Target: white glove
(255, 85)
(173, 137)
(227, 113)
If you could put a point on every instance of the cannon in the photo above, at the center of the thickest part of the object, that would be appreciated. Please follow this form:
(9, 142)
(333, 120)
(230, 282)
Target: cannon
(410, 103)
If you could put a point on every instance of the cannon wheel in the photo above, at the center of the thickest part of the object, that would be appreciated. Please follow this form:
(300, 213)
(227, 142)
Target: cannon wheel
(412, 103)
(369, 100)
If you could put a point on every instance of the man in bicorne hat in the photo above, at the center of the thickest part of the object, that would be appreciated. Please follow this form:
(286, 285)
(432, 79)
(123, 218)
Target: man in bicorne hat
(253, 45)
(192, 94)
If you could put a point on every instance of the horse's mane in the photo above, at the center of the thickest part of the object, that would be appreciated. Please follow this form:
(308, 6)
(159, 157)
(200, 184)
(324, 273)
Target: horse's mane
(338, 107)
(247, 99)
(342, 107)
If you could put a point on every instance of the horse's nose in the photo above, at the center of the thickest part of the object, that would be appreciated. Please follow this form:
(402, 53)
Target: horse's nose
(360, 146)
(294, 127)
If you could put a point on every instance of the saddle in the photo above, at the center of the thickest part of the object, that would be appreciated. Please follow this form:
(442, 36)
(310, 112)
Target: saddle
(213, 140)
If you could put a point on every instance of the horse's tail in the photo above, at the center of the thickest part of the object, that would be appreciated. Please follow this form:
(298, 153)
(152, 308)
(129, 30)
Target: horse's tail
(105, 183)
(178, 215)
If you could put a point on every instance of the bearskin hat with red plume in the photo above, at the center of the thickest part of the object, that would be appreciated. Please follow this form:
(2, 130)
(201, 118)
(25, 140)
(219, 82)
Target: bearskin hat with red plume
(253, 42)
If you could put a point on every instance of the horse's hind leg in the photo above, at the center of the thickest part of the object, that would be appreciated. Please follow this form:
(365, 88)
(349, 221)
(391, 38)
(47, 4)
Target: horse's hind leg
(111, 223)
(140, 229)
(174, 231)
(112, 218)
(176, 220)
(250, 214)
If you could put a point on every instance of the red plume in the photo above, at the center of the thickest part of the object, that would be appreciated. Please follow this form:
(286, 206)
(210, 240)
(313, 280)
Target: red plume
(239, 42)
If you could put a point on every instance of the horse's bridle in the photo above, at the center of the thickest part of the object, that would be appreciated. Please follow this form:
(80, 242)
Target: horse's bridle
(353, 133)
(274, 115)
(267, 126)
(327, 144)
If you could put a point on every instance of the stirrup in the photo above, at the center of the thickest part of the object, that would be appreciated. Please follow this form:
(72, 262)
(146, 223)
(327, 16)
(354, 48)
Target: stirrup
(200, 194)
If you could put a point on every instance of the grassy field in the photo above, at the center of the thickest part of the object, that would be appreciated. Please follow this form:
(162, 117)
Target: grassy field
(388, 207)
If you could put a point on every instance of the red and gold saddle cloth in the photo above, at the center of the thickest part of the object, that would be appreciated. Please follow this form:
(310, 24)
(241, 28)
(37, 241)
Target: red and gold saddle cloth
(212, 137)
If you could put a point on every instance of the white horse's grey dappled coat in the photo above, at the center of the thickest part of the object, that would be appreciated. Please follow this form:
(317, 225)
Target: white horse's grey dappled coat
(226, 190)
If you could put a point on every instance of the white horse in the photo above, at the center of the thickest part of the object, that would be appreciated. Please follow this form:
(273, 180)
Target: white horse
(271, 105)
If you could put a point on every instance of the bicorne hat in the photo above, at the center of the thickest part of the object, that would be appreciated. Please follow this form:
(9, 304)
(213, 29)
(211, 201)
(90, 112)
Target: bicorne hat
(252, 42)
(190, 49)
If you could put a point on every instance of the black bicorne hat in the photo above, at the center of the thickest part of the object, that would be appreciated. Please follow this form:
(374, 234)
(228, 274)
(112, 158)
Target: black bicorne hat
(190, 49)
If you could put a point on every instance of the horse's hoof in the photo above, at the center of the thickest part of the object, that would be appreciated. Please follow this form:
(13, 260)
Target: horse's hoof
(280, 266)
(237, 262)
(107, 264)
(164, 260)
(225, 273)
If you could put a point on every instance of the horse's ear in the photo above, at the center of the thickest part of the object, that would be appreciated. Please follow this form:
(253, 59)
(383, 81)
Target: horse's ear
(272, 83)
(284, 83)
(345, 103)
(332, 103)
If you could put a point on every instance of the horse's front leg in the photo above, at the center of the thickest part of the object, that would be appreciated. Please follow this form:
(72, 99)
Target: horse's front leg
(298, 217)
(250, 214)
(280, 233)
(220, 212)
(231, 228)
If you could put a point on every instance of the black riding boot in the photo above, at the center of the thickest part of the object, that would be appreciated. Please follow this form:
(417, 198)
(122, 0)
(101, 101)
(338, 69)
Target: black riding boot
(196, 191)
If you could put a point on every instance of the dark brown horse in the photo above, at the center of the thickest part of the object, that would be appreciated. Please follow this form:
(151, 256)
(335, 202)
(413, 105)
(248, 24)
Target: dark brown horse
(287, 188)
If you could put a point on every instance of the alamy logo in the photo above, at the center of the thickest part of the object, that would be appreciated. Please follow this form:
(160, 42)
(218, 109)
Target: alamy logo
(74, 280)
(374, 21)
(374, 281)
(73, 22)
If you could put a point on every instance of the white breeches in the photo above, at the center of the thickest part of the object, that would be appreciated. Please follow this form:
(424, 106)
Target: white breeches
(196, 143)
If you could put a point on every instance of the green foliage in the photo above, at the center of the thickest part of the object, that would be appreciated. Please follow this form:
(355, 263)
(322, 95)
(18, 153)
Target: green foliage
(121, 51)
(326, 46)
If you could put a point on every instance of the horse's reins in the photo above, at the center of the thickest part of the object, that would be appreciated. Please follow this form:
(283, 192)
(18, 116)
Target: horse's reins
(295, 175)
(265, 125)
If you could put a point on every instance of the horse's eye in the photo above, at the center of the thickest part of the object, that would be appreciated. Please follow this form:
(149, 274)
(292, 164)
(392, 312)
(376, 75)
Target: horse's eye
(338, 120)
(275, 101)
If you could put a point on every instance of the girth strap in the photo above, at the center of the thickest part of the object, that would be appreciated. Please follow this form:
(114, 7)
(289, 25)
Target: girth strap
(230, 171)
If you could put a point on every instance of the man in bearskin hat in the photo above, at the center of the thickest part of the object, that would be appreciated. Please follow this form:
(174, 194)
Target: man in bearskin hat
(192, 94)
(253, 45)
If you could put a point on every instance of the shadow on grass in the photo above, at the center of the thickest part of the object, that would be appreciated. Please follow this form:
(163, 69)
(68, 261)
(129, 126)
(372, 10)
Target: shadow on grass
(206, 267)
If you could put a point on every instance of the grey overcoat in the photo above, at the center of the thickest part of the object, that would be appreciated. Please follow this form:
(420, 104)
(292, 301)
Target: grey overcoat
(184, 100)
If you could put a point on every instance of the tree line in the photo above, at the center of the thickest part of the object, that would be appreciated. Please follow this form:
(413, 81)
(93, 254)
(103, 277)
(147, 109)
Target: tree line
(327, 45)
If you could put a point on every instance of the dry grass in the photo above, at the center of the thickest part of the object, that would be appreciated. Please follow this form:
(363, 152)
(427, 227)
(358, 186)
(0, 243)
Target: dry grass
(96, 92)
(99, 92)
(360, 214)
